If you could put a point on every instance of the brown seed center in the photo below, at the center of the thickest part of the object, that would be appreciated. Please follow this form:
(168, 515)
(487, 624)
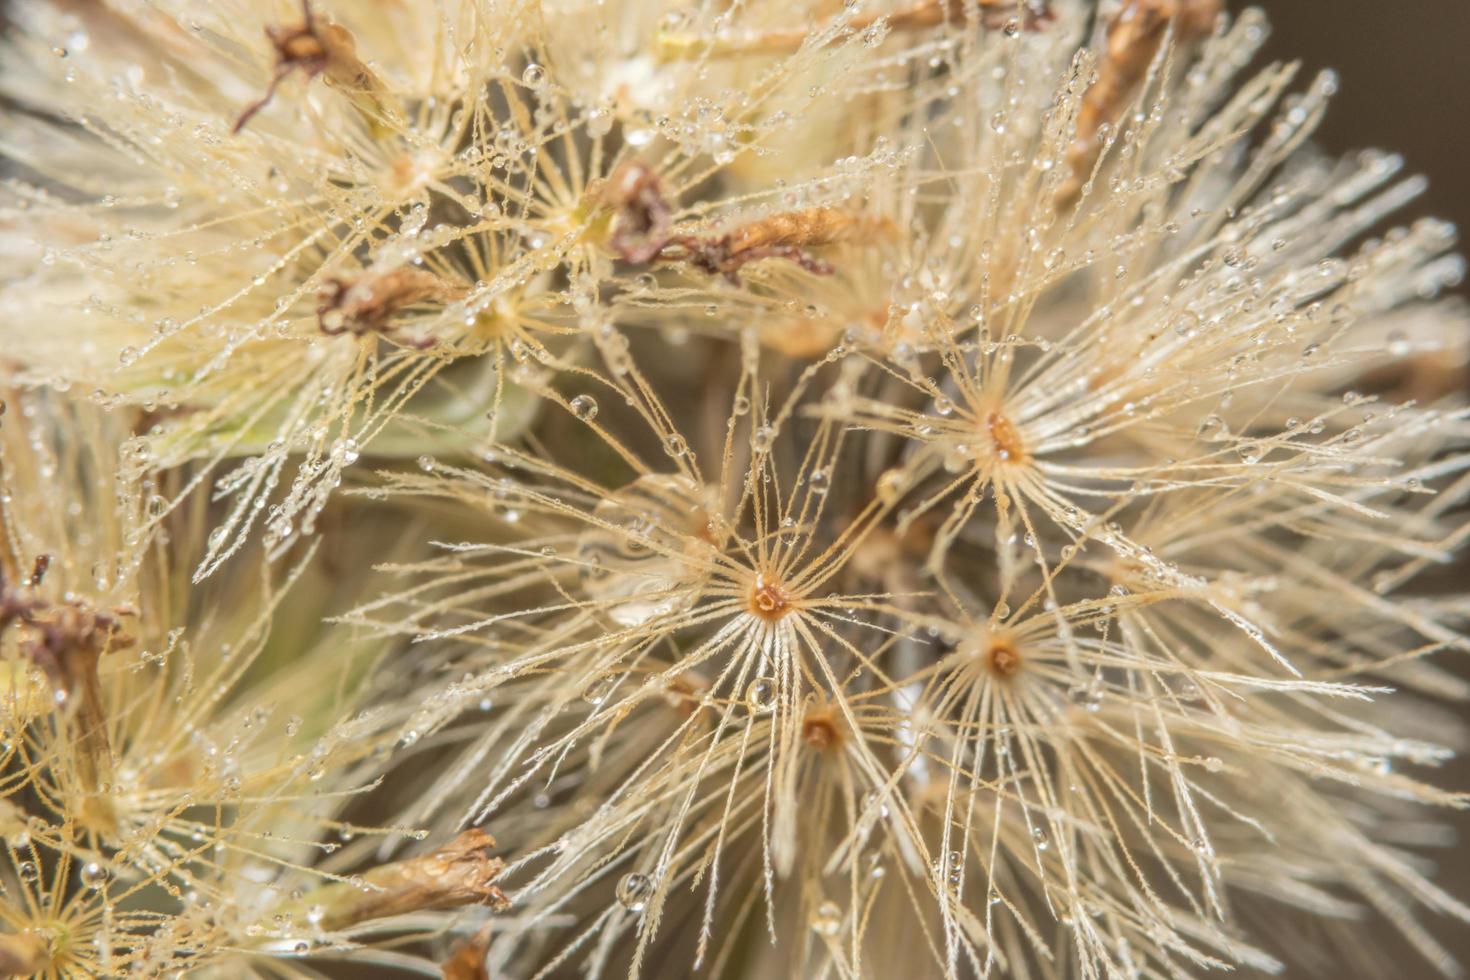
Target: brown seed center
(820, 732)
(769, 600)
(1002, 659)
(1005, 438)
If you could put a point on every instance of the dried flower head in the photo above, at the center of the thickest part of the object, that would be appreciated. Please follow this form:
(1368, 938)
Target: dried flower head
(901, 487)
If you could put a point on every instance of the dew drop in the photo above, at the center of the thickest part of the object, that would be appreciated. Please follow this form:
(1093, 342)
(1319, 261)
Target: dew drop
(584, 407)
(1088, 697)
(633, 891)
(599, 122)
(827, 919)
(890, 485)
(760, 696)
(598, 690)
(1213, 429)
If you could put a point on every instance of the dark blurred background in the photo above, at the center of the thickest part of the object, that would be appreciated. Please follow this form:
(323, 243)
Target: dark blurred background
(1404, 86)
(1404, 83)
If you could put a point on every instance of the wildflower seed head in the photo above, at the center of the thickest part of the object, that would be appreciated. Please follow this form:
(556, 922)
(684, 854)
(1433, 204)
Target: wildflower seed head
(891, 488)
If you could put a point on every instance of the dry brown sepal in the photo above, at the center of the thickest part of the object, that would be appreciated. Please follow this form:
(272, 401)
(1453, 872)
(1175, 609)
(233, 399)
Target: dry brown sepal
(992, 15)
(642, 219)
(365, 304)
(1134, 37)
(67, 640)
(467, 959)
(642, 230)
(789, 235)
(23, 954)
(315, 47)
(458, 874)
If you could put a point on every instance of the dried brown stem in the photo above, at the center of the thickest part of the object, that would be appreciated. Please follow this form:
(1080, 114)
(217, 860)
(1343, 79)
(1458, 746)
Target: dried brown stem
(789, 235)
(642, 230)
(1134, 37)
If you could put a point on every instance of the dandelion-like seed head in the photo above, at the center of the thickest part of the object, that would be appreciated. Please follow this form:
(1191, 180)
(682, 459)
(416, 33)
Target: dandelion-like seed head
(541, 487)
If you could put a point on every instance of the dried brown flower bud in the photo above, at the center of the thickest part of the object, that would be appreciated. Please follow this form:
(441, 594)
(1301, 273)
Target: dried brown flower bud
(313, 47)
(459, 873)
(67, 640)
(642, 220)
(788, 235)
(364, 304)
(467, 959)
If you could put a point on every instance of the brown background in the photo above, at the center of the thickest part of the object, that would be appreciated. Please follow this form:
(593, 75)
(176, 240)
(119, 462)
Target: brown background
(1404, 67)
(1405, 82)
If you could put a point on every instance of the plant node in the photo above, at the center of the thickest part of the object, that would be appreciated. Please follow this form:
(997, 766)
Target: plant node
(1002, 658)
